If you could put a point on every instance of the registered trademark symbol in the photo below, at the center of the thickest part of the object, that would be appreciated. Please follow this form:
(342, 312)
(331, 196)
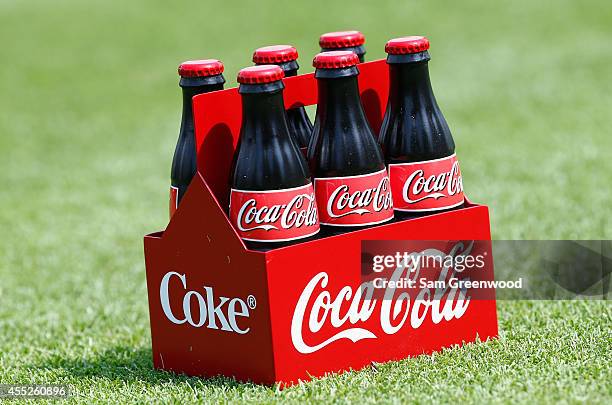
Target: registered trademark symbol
(251, 302)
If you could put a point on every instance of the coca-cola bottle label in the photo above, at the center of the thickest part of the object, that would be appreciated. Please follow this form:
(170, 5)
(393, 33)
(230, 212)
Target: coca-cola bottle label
(274, 215)
(173, 200)
(354, 200)
(426, 186)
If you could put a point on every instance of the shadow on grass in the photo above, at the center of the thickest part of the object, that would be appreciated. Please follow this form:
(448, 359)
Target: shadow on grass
(128, 364)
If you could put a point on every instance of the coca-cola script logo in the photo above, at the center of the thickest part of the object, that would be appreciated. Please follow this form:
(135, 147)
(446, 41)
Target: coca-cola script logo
(276, 215)
(427, 186)
(347, 313)
(225, 314)
(354, 200)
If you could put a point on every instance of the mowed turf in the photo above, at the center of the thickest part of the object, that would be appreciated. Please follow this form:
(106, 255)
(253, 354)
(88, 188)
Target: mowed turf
(89, 113)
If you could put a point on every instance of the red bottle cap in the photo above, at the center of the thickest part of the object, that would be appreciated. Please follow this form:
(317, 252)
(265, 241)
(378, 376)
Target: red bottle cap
(200, 68)
(260, 74)
(341, 39)
(407, 45)
(335, 60)
(275, 54)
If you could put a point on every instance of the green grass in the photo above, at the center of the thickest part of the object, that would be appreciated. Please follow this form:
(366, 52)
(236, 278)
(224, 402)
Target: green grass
(89, 110)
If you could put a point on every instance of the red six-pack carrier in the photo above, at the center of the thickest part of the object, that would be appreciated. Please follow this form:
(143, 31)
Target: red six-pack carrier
(222, 306)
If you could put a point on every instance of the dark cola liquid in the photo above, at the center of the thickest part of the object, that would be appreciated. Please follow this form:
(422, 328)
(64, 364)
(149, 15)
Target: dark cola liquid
(300, 127)
(266, 157)
(343, 143)
(299, 124)
(184, 162)
(414, 128)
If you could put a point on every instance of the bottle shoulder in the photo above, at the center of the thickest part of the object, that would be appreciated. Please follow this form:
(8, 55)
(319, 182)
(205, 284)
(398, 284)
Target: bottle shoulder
(344, 150)
(299, 125)
(271, 163)
(413, 132)
(184, 162)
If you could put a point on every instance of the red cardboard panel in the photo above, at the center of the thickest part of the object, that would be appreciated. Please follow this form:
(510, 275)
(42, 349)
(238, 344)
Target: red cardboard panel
(217, 308)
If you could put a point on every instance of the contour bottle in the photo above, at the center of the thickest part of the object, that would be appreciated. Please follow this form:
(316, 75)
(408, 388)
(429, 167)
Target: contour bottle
(286, 56)
(415, 138)
(272, 202)
(350, 177)
(197, 77)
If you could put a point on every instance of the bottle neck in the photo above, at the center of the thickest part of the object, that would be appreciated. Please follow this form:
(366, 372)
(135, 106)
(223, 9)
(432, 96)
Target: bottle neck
(262, 113)
(191, 87)
(188, 94)
(289, 68)
(341, 92)
(410, 81)
(339, 97)
(267, 158)
(342, 141)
